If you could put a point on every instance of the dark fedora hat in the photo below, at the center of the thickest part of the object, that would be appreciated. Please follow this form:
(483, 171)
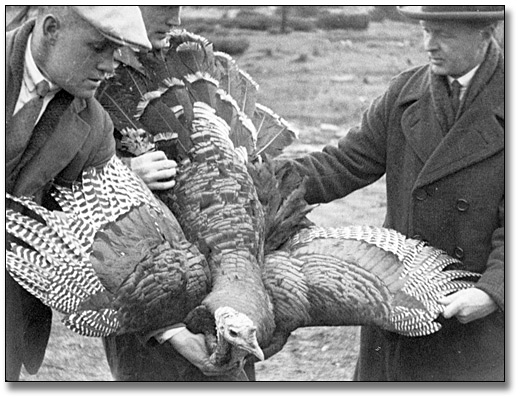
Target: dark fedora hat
(457, 13)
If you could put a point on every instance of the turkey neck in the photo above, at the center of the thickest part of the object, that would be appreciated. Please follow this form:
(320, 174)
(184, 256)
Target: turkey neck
(237, 283)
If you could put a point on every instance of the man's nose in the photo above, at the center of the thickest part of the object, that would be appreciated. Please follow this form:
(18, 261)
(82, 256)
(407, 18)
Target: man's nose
(174, 20)
(430, 43)
(107, 64)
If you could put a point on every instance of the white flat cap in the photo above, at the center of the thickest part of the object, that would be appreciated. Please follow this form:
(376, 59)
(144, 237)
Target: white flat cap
(123, 25)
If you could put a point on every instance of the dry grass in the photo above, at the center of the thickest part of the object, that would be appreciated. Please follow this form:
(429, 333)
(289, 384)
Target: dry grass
(310, 79)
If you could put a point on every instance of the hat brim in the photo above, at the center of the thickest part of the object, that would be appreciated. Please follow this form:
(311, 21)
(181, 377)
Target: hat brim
(415, 12)
(126, 43)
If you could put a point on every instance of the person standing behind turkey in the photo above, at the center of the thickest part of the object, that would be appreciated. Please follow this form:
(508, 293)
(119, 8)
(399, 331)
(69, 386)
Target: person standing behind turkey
(442, 150)
(173, 354)
(153, 167)
(55, 128)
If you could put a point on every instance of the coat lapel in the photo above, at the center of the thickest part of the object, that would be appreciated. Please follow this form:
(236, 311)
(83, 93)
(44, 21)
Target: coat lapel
(475, 136)
(421, 128)
(56, 153)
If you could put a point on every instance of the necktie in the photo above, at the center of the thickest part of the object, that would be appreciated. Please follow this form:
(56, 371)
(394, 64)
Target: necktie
(23, 122)
(455, 96)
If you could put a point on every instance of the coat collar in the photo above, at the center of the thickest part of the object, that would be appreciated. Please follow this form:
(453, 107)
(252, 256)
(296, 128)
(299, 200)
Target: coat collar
(128, 57)
(474, 137)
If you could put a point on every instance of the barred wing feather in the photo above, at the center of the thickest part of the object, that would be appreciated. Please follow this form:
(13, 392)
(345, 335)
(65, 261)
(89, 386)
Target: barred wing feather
(361, 275)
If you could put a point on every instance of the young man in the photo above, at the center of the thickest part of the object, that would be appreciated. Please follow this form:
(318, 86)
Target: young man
(442, 151)
(55, 128)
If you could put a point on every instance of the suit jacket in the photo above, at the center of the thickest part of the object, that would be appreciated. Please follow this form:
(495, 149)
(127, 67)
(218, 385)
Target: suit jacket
(82, 137)
(448, 190)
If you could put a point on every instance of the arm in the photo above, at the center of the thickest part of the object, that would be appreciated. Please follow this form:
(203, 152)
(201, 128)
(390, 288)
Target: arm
(357, 161)
(193, 348)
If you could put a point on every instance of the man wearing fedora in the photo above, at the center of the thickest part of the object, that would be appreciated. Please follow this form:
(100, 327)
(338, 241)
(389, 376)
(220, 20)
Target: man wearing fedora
(438, 135)
(55, 128)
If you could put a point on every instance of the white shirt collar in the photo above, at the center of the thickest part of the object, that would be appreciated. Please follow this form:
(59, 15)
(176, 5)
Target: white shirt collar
(33, 76)
(466, 79)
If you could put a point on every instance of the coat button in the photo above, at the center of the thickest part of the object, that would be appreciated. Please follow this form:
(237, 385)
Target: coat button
(458, 253)
(420, 194)
(462, 205)
(431, 190)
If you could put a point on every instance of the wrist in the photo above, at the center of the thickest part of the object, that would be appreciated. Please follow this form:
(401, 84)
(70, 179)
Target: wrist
(127, 161)
(168, 333)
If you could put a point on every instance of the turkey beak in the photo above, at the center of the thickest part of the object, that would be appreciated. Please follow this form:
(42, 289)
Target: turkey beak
(255, 350)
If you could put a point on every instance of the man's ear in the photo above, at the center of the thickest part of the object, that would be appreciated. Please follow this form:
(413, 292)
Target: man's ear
(51, 26)
(489, 31)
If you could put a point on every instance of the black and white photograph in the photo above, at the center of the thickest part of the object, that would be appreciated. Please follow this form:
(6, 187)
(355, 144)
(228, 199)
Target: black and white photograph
(260, 193)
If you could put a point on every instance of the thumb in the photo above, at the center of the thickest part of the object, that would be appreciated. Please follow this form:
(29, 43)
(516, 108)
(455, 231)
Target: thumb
(446, 300)
(451, 306)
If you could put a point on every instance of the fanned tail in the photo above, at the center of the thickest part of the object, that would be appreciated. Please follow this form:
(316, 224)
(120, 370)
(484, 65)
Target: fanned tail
(196, 74)
(274, 132)
(237, 83)
(188, 54)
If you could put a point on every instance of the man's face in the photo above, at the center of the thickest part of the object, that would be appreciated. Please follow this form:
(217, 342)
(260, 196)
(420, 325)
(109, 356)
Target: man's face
(79, 59)
(159, 20)
(454, 48)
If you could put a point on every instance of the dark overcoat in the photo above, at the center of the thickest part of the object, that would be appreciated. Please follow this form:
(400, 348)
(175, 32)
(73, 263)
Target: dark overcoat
(82, 137)
(445, 189)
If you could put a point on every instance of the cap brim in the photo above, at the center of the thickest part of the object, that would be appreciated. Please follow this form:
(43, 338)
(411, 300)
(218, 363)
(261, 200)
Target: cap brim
(126, 43)
(415, 12)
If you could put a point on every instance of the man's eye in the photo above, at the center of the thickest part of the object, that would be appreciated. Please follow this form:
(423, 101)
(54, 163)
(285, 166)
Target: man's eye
(98, 47)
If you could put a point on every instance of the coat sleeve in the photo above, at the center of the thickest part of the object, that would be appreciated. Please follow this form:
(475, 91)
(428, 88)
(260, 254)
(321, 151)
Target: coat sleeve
(357, 161)
(492, 280)
(105, 148)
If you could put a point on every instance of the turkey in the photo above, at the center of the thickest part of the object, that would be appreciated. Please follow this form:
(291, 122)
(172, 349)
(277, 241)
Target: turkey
(212, 135)
(230, 252)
